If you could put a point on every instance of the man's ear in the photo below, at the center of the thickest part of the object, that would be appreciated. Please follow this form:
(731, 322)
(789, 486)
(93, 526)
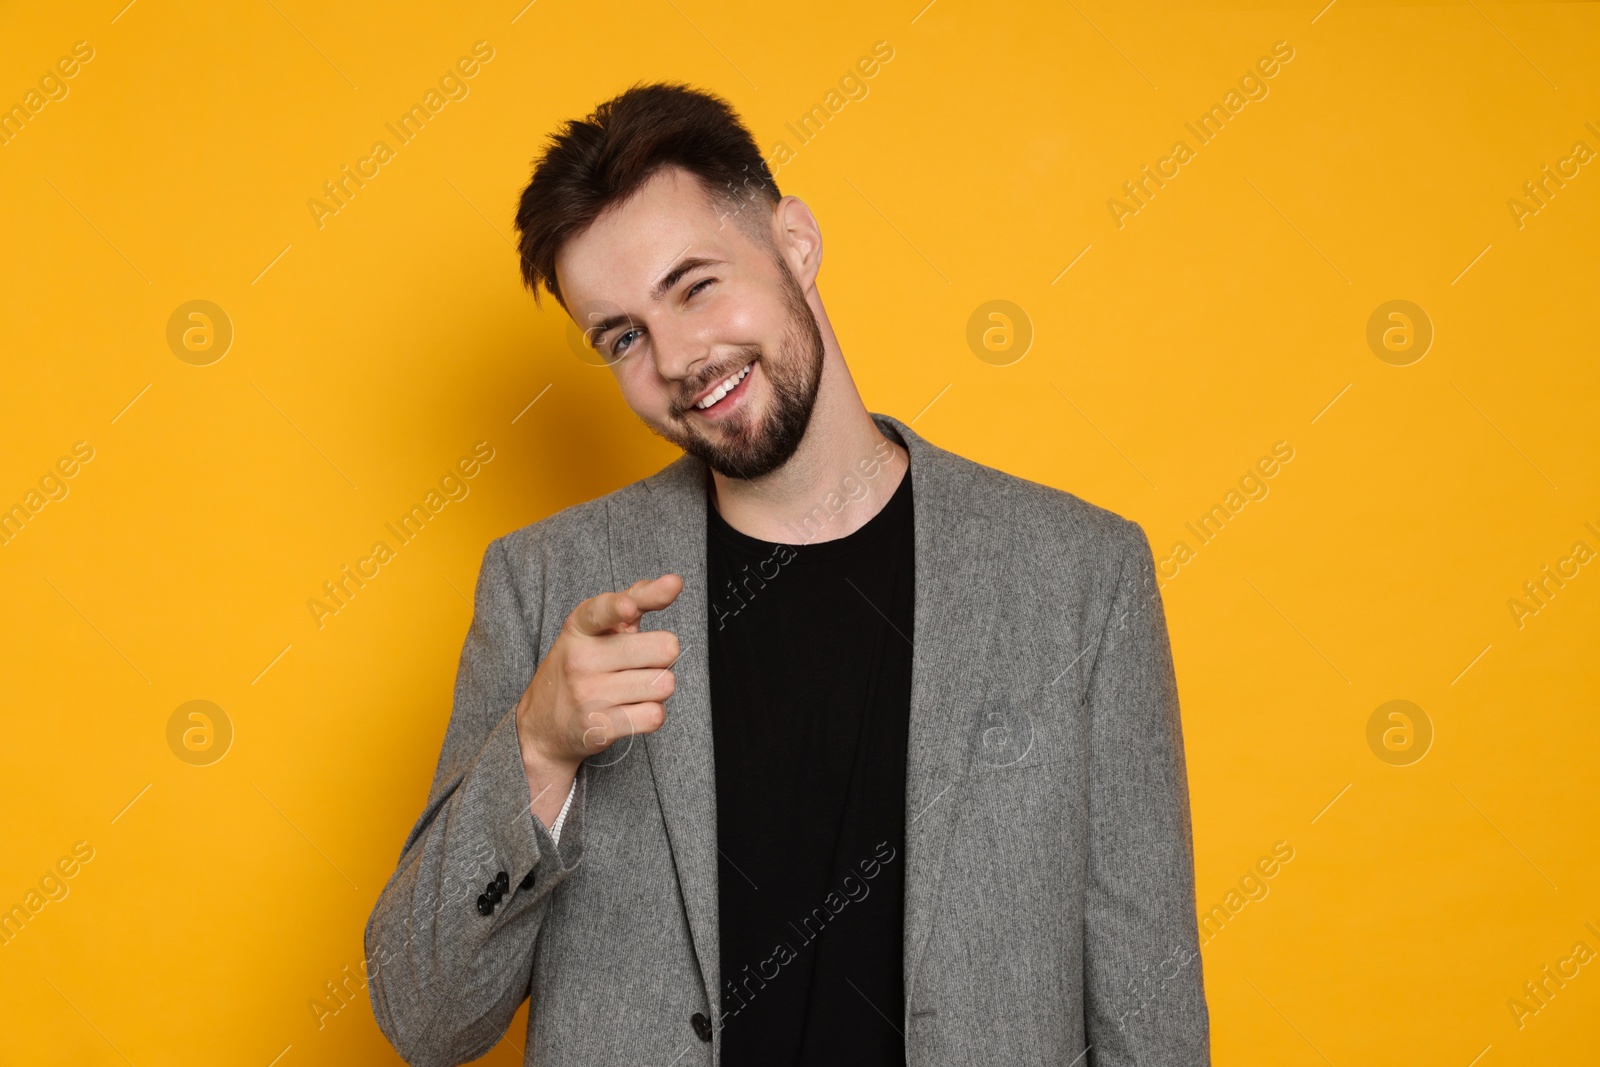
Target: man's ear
(798, 239)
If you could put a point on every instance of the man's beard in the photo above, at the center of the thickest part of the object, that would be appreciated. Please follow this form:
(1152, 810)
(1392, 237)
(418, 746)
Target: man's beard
(749, 449)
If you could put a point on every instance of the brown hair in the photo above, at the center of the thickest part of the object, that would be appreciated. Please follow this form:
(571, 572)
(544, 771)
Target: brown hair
(595, 163)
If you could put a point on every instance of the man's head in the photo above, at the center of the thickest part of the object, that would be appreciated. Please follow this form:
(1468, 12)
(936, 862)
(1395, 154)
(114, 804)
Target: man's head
(657, 225)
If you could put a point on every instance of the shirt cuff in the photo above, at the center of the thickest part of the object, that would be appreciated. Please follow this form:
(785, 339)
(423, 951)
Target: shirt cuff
(555, 827)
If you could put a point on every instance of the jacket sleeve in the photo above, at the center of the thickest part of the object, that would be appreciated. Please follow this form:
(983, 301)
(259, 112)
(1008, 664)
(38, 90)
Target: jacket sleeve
(445, 978)
(1143, 988)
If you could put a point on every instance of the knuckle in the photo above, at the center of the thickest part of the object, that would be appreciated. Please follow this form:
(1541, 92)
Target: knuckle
(598, 730)
(650, 718)
(584, 690)
(631, 719)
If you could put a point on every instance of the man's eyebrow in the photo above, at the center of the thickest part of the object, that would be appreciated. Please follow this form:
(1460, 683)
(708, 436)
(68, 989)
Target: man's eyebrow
(672, 276)
(603, 326)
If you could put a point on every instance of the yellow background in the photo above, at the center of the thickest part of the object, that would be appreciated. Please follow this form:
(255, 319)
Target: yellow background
(1227, 315)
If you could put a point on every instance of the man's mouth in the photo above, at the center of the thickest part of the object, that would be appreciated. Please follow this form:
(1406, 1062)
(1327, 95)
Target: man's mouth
(717, 393)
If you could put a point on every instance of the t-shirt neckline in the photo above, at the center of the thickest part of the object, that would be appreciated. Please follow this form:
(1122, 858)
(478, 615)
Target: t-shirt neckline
(888, 520)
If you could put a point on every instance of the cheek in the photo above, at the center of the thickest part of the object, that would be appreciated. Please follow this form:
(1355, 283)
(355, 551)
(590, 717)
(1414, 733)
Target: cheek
(641, 387)
(736, 322)
(646, 392)
(750, 318)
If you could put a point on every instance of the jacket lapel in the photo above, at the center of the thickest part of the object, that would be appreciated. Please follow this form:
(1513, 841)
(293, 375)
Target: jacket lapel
(952, 603)
(658, 527)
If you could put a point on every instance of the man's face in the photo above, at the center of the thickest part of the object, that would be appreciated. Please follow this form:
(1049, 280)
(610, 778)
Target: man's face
(681, 301)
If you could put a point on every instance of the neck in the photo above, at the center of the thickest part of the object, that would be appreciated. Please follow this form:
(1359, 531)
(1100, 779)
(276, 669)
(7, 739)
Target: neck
(843, 473)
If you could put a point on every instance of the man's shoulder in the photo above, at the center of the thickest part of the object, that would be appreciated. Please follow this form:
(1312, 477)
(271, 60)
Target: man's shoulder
(1031, 517)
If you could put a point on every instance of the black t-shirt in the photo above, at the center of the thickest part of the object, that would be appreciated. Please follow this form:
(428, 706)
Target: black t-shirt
(810, 663)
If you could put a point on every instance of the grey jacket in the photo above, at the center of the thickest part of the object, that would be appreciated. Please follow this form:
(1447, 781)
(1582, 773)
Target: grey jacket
(1049, 897)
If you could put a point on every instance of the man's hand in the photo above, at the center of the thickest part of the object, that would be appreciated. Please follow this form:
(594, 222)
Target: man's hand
(601, 680)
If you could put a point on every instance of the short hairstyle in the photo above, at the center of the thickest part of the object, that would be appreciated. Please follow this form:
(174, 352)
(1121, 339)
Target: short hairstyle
(598, 162)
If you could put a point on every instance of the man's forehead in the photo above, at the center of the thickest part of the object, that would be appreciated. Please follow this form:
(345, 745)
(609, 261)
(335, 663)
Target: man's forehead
(624, 252)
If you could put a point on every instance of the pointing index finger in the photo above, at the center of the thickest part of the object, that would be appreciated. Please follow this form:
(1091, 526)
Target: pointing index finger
(621, 612)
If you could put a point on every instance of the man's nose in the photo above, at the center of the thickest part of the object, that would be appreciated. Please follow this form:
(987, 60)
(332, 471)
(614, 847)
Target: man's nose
(680, 352)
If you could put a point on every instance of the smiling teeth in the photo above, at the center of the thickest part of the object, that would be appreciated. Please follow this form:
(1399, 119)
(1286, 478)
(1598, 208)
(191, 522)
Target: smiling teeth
(724, 389)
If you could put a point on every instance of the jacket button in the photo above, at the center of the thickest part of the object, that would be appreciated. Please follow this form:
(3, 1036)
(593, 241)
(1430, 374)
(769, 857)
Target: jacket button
(503, 880)
(527, 883)
(702, 1025)
(485, 905)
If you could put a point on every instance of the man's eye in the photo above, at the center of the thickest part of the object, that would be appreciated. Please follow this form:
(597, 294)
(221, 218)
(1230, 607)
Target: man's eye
(698, 286)
(620, 345)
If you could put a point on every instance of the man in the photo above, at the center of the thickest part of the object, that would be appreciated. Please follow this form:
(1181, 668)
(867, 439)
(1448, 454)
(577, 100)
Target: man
(897, 775)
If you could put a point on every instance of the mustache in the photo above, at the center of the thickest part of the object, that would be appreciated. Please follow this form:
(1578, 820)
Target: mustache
(686, 400)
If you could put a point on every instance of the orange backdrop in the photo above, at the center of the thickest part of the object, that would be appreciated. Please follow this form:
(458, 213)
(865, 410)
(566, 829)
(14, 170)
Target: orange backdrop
(1307, 291)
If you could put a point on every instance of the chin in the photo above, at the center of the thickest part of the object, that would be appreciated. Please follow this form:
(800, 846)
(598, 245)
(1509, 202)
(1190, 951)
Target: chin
(747, 446)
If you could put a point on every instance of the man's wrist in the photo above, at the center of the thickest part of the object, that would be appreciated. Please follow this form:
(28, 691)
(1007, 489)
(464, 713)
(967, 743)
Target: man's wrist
(549, 782)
